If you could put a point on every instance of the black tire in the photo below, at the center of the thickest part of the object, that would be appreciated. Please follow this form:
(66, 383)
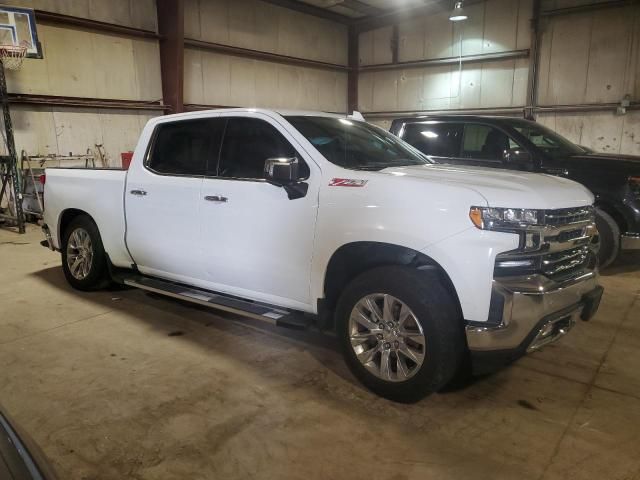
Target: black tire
(97, 276)
(434, 307)
(609, 232)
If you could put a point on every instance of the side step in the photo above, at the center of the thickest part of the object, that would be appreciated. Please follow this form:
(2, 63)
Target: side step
(277, 316)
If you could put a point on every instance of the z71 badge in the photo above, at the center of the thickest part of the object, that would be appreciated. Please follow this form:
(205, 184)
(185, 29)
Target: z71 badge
(347, 182)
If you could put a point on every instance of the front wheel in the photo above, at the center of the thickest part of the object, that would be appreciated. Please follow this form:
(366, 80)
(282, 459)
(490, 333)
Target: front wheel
(400, 331)
(84, 261)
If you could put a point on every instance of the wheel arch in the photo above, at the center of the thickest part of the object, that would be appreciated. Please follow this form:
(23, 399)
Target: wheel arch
(613, 212)
(352, 259)
(66, 217)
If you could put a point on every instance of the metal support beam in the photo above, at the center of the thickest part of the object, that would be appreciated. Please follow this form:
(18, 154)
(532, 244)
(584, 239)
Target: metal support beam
(266, 56)
(311, 10)
(505, 111)
(171, 30)
(395, 44)
(484, 57)
(400, 15)
(534, 61)
(589, 8)
(62, 101)
(52, 18)
(352, 77)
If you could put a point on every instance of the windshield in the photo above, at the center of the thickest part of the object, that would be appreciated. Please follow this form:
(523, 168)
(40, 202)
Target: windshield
(554, 145)
(356, 145)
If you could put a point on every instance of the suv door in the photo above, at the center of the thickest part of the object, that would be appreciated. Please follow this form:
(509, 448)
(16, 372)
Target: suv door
(162, 198)
(256, 242)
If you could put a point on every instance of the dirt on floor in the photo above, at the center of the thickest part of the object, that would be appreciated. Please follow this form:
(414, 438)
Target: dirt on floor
(125, 385)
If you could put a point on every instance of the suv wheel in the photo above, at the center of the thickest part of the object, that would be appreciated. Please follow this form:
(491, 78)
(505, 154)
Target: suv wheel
(609, 233)
(400, 331)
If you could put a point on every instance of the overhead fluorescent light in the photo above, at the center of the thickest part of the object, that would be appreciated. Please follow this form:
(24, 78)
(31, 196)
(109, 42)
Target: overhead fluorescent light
(458, 14)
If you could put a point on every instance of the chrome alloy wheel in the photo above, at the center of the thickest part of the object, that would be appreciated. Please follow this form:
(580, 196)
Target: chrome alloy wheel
(79, 253)
(386, 337)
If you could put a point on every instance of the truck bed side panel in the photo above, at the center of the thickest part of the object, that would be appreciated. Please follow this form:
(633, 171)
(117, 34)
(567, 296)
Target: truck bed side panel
(97, 192)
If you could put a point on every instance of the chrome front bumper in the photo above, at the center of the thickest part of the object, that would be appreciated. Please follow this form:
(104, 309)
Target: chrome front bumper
(630, 241)
(535, 312)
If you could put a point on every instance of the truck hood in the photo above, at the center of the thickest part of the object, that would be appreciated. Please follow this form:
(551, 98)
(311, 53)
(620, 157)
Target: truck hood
(503, 188)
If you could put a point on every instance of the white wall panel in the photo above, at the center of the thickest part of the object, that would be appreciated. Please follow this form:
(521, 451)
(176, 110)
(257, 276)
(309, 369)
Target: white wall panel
(591, 57)
(494, 84)
(216, 79)
(95, 65)
(258, 25)
(601, 131)
(43, 130)
(131, 13)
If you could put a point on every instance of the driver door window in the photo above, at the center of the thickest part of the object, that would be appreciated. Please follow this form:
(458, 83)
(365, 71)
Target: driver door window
(247, 143)
(486, 143)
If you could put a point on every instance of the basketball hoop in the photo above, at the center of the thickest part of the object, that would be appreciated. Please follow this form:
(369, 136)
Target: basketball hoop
(12, 56)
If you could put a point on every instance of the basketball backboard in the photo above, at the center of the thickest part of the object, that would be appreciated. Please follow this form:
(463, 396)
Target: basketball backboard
(18, 27)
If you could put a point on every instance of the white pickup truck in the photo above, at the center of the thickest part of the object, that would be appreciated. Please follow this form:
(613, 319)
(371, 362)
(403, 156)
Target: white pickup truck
(303, 218)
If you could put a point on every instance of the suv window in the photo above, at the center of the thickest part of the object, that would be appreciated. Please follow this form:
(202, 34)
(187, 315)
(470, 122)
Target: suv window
(486, 142)
(436, 139)
(247, 143)
(186, 147)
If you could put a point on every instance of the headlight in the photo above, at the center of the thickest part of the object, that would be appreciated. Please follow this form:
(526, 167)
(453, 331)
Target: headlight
(488, 218)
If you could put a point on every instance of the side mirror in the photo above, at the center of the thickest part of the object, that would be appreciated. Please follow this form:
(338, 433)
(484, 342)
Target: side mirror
(518, 157)
(281, 171)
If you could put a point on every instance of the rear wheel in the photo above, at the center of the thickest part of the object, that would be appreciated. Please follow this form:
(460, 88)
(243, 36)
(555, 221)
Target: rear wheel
(609, 238)
(84, 261)
(400, 332)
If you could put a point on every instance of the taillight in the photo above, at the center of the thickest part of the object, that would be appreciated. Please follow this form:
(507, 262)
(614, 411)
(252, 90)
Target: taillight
(43, 179)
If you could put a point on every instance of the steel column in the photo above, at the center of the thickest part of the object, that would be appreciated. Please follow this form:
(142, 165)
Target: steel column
(171, 30)
(354, 62)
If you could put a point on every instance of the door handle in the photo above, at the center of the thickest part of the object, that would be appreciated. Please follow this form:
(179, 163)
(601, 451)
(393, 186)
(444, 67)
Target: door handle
(216, 198)
(140, 193)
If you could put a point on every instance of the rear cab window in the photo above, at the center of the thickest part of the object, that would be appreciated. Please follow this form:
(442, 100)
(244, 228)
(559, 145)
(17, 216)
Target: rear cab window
(185, 147)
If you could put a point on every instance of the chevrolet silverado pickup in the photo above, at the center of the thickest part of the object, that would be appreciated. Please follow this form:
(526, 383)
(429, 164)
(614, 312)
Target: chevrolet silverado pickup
(310, 219)
(518, 144)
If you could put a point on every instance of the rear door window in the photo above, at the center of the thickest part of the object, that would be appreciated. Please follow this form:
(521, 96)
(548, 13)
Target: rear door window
(186, 147)
(435, 139)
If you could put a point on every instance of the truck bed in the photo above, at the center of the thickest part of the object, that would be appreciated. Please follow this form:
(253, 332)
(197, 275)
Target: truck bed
(97, 191)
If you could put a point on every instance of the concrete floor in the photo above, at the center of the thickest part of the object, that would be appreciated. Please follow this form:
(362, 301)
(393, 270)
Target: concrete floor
(123, 385)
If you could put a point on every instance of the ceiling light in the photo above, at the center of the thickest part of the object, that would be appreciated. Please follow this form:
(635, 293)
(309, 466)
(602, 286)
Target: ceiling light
(458, 14)
(430, 134)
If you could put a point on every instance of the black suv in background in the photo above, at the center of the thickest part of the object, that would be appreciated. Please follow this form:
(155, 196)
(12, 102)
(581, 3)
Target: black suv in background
(518, 144)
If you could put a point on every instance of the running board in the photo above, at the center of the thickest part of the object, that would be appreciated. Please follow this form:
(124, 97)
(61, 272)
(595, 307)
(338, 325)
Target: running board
(277, 316)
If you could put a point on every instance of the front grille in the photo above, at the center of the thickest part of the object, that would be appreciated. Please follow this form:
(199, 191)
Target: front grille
(560, 264)
(565, 247)
(568, 216)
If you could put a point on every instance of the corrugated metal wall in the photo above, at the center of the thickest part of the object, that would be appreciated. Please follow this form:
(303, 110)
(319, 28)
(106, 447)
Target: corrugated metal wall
(493, 27)
(590, 57)
(219, 79)
(81, 63)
